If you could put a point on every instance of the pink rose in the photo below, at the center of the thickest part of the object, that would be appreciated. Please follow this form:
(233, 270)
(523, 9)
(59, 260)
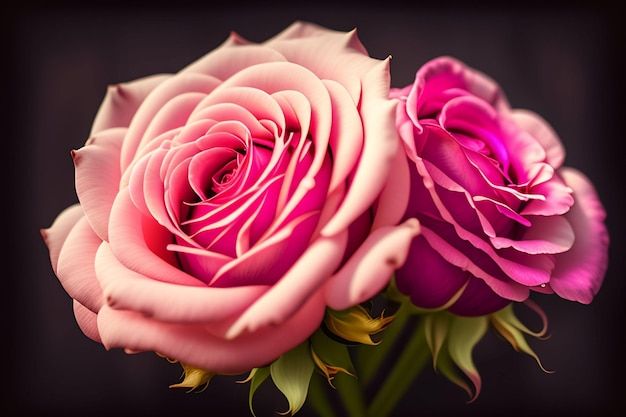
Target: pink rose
(224, 207)
(500, 215)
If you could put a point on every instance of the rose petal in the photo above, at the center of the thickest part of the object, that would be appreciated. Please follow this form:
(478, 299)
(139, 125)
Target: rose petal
(543, 132)
(343, 49)
(97, 172)
(127, 290)
(140, 244)
(87, 321)
(579, 272)
(346, 138)
(195, 346)
(551, 234)
(122, 101)
(302, 280)
(378, 155)
(158, 97)
(224, 62)
(394, 198)
(54, 237)
(511, 290)
(430, 280)
(370, 268)
(76, 266)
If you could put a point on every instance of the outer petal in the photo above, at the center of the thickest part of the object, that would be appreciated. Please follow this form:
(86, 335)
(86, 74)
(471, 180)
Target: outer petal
(195, 346)
(580, 271)
(76, 266)
(87, 321)
(162, 94)
(370, 268)
(223, 62)
(97, 172)
(429, 279)
(54, 236)
(379, 152)
(543, 132)
(122, 101)
(300, 283)
(127, 290)
(316, 47)
(140, 244)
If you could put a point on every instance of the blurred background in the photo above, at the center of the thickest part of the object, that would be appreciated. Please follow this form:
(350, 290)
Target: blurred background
(58, 58)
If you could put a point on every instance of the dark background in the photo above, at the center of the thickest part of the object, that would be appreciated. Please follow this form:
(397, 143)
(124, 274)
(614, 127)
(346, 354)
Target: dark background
(560, 61)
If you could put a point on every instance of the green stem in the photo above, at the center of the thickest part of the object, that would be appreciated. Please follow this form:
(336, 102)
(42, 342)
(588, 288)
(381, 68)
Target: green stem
(351, 392)
(411, 361)
(317, 397)
(369, 358)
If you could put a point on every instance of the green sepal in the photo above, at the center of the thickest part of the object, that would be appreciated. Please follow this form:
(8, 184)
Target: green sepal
(513, 330)
(291, 374)
(330, 356)
(257, 377)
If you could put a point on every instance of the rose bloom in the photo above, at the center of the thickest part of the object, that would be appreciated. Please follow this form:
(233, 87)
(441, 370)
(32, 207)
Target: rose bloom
(224, 207)
(500, 216)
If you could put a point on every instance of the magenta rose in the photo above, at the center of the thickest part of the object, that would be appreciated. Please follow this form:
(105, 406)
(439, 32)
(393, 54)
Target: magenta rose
(224, 207)
(500, 215)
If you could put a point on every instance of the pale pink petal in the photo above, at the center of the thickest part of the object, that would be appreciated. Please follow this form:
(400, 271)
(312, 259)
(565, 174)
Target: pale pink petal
(172, 115)
(163, 93)
(231, 58)
(97, 172)
(343, 49)
(394, 198)
(346, 137)
(379, 153)
(87, 321)
(556, 199)
(196, 346)
(286, 76)
(370, 268)
(76, 270)
(127, 290)
(300, 282)
(543, 132)
(54, 236)
(122, 101)
(579, 272)
(141, 244)
(301, 30)
(552, 234)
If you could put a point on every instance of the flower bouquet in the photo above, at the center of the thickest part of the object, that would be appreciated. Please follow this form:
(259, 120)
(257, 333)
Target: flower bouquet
(278, 211)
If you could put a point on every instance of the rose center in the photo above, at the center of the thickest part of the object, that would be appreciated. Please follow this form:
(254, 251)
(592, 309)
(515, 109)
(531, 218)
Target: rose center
(224, 176)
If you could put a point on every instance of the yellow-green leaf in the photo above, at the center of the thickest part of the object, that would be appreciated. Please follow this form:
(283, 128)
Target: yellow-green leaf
(292, 373)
